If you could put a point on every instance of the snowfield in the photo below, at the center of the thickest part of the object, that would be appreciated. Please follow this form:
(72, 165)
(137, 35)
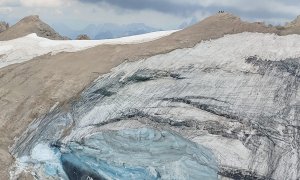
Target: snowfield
(30, 46)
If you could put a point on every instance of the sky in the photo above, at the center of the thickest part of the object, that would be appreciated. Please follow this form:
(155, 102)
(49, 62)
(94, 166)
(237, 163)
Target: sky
(162, 14)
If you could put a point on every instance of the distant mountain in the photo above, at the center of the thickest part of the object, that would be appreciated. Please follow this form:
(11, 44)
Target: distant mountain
(28, 25)
(65, 30)
(106, 30)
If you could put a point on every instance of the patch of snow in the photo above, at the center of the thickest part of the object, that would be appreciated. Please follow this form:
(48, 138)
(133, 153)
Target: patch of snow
(30, 46)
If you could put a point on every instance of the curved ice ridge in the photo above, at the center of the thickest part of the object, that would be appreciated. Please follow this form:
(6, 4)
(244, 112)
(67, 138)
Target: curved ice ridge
(126, 154)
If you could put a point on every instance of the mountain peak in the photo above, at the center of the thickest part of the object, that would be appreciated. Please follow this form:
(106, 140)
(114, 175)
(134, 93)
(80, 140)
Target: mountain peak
(217, 26)
(227, 15)
(28, 25)
(224, 16)
(31, 18)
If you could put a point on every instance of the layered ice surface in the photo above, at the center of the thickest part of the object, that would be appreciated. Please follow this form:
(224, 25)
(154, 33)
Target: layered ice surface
(139, 154)
(126, 154)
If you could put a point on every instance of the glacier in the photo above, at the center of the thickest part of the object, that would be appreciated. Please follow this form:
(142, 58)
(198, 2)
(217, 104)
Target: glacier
(226, 108)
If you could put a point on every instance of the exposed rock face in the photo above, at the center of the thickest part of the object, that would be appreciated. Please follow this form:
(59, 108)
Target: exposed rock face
(291, 28)
(295, 22)
(3, 26)
(83, 37)
(28, 25)
(232, 104)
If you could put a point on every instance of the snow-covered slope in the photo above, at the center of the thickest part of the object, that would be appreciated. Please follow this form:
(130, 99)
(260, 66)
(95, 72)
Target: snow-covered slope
(30, 46)
(227, 107)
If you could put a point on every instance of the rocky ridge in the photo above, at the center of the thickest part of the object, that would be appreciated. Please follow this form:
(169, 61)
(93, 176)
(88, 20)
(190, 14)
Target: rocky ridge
(29, 25)
(291, 28)
(83, 37)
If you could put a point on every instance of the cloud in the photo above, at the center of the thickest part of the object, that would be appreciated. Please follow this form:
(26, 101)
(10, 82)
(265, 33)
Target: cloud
(256, 8)
(163, 14)
(42, 3)
(5, 10)
(180, 8)
(250, 10)
(2, 2)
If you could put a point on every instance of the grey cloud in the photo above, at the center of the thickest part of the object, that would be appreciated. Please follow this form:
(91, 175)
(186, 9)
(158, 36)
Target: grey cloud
(272, 11)
(164, 6)
(291, 2)
(186, 8)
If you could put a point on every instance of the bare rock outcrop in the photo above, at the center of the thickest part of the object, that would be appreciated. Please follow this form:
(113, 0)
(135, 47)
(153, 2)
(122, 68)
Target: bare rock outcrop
(3, 26)
(291, 28)
(28, 25)
(295, 22)
(83, 37)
